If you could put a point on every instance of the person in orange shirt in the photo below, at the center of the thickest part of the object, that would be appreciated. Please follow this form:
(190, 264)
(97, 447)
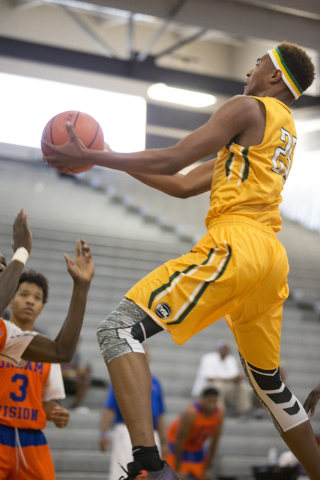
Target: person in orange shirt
(28, 395)
(14, 343)
(187, 434)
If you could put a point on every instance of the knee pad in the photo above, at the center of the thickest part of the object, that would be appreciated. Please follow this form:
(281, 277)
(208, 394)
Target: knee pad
(124, 330)
(284, 408)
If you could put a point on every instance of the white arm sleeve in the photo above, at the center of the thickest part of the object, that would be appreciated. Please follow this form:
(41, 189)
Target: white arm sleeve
(53, 388)
(16, 343)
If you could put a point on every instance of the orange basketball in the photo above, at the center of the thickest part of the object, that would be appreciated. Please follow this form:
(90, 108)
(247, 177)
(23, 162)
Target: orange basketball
(86, 127)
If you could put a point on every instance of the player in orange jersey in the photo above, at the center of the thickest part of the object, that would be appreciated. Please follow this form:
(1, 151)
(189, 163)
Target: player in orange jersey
(188, 433)
(28, 395)
(14, 343)
(238, 270)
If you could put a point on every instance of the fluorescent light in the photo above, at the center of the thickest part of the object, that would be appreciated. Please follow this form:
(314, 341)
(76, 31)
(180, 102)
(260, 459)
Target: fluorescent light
(161, 91)
(307, 126)
(29, 103)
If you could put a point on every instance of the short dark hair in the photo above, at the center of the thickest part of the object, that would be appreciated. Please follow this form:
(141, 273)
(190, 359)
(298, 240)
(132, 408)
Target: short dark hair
(299, 63)
(208, 392)
(31, 276)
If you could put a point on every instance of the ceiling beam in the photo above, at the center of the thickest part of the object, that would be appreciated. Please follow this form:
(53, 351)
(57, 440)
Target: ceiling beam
(184, 41)
(235, 17)
(171, 15)
(307, 7)
(130, 37)
(106, 49)
(146, 71)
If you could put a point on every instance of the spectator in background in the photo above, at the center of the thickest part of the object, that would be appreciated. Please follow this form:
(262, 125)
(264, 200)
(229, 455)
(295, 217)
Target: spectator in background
(121, 453)
(188, 433)
(220, 370)
(76, 379)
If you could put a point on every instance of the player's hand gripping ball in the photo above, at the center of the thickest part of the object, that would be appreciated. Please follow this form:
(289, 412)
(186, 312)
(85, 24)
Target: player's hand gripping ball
(86, 127)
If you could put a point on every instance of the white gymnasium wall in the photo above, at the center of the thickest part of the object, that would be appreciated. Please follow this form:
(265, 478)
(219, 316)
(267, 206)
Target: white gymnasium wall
(301, 196)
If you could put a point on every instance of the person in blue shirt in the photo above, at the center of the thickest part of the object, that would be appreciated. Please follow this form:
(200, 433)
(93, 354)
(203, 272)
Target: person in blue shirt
(121, 448)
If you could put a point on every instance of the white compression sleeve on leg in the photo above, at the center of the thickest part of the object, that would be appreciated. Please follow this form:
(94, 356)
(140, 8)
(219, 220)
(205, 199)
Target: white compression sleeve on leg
(284, 408)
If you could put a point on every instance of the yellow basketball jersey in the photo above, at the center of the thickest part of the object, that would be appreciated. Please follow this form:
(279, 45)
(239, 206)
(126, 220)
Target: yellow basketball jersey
(249, 181)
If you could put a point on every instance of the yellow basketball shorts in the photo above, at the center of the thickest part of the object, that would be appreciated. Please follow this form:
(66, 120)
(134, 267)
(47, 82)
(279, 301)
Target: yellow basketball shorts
(238, 270)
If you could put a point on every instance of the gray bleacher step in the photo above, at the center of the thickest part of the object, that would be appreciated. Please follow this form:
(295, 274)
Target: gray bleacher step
(89, 461)
(78, 420)
(80, 425)
(73, 438)
(177, 396)
(239, 465)
(174, 403)
(119, 274)
(107, 257)
(250, 446)
(81, 476)
(241, 444)
(55, 233)
(81, 460)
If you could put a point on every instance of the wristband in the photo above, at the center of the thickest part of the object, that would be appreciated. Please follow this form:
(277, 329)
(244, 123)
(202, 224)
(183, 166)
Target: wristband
(104, 434)
(21, 255)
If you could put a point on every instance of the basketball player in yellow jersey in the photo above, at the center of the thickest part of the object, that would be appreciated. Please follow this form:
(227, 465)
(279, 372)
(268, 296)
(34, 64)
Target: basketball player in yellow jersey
(238, 270)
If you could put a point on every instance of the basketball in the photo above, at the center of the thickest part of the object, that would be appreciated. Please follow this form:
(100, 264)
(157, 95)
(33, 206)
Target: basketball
(86, 127)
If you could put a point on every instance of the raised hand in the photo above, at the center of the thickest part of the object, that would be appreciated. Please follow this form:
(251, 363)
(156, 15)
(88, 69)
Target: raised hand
(312, 400)
(60, 416)
(22, 236)
(70, 155)
(82, 267)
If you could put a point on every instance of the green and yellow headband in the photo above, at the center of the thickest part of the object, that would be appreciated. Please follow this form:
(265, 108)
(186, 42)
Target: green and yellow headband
(287, 76)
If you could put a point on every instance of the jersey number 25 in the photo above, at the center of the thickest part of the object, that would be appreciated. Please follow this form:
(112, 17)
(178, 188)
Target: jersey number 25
(282, 156)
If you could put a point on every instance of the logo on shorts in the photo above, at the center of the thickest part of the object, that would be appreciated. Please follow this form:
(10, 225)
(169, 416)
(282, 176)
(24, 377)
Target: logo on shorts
(163, 310)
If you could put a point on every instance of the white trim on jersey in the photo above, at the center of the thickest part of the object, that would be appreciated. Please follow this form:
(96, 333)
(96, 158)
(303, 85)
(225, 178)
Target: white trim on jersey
(16, 343)
(54, 388)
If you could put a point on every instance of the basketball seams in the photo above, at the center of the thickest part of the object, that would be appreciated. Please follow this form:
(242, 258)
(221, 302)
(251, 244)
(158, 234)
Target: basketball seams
(51, 132)
(95, 136)
(45, 136)
(76, 119)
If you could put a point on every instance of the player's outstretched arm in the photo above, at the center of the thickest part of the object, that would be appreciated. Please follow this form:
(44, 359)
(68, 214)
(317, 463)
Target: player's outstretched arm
(236, 116)
(9, 278)
(194, 183)
(312, 400)
(61, 350)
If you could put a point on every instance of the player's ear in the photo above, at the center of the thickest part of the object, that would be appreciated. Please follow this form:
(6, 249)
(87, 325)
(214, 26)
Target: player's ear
(276, 76)
(10, 304)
